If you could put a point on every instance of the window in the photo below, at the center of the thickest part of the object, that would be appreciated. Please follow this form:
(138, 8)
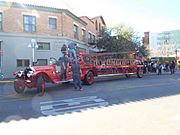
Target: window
(83, 35)
(99, 27)
(43, 46)
(89, 37)
(75, 31)
(29, 23)
(42, 62)
(96, 25)
(1, 21)
(53, 23)
(22, 62)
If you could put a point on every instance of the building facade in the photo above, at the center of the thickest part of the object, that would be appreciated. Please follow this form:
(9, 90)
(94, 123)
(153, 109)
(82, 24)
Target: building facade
(49, 27)
(165, 44)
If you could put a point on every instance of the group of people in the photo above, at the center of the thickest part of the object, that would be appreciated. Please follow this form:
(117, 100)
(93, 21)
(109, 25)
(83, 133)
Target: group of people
(158, 67)
(75, 67)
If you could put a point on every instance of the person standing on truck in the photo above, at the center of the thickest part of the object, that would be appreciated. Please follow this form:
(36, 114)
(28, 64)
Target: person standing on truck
(76, 74)
(72, 52)
(64, 49)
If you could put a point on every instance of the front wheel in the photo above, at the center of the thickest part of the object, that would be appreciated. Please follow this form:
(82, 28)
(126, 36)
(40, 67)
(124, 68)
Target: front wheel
(41, 85)
(19, 86)
(89, 78)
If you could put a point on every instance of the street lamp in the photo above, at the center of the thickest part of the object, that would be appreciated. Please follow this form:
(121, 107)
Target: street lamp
(33, 45)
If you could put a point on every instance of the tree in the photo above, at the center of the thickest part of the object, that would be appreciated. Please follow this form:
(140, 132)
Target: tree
(121, 38)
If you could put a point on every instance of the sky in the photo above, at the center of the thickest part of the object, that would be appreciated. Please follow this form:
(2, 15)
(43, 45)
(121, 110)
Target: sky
(142, 15)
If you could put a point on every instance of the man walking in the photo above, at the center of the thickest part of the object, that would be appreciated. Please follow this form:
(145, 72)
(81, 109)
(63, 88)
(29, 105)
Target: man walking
(76, 75)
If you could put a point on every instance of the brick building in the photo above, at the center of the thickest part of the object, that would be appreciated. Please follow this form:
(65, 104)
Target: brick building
(49, 27)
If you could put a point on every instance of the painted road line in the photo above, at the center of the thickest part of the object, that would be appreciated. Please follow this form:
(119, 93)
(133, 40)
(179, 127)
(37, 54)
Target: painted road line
(71, 105)
(70, 100)
(73, 109)
(6, 81)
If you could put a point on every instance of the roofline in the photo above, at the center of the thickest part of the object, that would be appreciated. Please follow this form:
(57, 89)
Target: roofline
(87, 18)
(100, 18)
(41, 8)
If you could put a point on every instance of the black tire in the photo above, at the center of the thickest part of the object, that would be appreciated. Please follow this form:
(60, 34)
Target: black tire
(19, 86)
(139, 73)
(89, 78)
(40, 85)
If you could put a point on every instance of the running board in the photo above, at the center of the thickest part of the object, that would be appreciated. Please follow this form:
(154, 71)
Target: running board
(116, 74)
(64, 81)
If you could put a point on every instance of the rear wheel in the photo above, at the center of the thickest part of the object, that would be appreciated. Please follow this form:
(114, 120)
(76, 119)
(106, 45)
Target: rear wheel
(41, 85)
(139, 73)
(19, 86)
(89, 78)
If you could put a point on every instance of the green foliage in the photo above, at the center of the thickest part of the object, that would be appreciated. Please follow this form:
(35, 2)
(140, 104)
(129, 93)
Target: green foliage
(121, 38)
(166, 59)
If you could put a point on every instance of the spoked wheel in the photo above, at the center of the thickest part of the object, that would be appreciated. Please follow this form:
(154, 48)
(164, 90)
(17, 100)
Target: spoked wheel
(19, 86)
(89, 78)
(139, 73)
(41, 85)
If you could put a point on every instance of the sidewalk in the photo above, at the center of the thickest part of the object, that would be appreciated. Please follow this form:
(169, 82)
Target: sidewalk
(159, 116)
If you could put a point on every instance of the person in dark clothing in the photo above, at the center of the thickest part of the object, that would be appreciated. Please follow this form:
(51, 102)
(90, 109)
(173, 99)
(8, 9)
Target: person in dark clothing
(76, 75)
(64, 49)
(172, 67)
(159, 67)
(64, 66)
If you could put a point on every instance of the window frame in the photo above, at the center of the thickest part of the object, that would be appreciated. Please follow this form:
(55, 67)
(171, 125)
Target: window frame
(83, 35)
(31, 27)
(75, 31)
(42, 44)
(52, 26)
(23, 62)
(89, 37)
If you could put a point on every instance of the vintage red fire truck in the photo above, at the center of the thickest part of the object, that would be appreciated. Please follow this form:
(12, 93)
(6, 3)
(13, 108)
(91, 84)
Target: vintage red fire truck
(92, 65)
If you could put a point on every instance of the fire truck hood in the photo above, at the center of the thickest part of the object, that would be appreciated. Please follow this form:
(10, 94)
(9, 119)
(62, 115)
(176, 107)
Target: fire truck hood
(38, 68)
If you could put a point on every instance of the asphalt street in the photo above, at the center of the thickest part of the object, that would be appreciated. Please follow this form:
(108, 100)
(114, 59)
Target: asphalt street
(63, 99)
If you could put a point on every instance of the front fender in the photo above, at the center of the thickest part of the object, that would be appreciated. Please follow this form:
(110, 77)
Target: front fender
(44, 74)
